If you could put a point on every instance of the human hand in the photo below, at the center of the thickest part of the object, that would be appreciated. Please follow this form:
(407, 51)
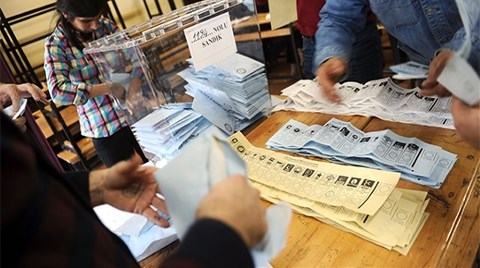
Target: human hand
(21, 123)
(118, 91)
(431, 86)
(234, 202)
(467, 121)
(130, 187)
(15, 93)
(328, 74)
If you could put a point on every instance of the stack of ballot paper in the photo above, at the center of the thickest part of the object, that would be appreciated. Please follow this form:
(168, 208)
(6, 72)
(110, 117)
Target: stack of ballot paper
(381, 98)
(142, 237)
(409, 70)
(164, 131)
(417, 161)
(359, 200)
(231, 94)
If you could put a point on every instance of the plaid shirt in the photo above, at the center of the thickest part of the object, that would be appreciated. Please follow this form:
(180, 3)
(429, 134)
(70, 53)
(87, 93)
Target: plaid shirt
(70, 75)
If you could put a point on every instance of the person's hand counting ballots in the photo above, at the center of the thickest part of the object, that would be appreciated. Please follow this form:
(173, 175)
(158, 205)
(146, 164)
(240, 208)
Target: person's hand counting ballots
(328, 74)
(235, 203)
(131, 187)
(15, 93)
(465, 118)
(431, 87)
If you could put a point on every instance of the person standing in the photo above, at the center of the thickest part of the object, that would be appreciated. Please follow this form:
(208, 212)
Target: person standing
(424, 31)
(366, 62)
(73, 78)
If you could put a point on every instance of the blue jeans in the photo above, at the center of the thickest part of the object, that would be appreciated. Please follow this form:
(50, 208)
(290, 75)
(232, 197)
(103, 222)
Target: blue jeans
(308, 52)
(366, 62)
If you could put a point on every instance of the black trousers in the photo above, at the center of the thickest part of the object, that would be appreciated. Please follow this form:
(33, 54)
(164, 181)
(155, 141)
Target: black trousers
(117, 147)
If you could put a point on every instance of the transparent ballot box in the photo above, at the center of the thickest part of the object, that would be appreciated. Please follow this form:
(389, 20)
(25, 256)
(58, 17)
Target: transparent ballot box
(177, 74)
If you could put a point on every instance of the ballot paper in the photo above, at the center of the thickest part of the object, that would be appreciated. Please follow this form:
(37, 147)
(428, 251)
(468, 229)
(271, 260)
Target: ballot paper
(358, 189)
(164, 131)
(122, 79)
(362, 201)
(231, 94)
(459, 76)
(142, 237)
(21, 109)
(410, 70)
(340, 141)
(380, 98)
(188, 178)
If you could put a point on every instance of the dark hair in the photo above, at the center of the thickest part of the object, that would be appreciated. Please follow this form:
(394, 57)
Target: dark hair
(77, 8)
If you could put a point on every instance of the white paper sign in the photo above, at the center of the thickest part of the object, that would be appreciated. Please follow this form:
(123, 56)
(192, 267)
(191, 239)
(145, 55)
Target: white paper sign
(211, 41)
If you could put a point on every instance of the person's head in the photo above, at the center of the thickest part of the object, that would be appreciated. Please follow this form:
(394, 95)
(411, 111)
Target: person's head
(80, 16)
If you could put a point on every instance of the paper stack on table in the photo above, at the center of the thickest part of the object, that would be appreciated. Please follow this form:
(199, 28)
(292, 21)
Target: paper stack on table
(340, 141)
(231, 94)
(142, 237)
(359, 200)
(381, 98)
(409, 70)
(166, 130)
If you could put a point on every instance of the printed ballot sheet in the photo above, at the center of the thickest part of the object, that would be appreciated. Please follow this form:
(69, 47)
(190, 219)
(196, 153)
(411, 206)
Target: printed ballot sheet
(340, 141)
(231, 94)
(361, 190)
(362, 201)
(380, 98)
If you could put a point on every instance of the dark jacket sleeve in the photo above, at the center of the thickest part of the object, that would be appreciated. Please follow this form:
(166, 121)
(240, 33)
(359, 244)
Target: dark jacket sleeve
(210, 243)
(79, 181)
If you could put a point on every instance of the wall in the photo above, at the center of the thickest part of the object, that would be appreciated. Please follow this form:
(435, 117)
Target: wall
(132, 11)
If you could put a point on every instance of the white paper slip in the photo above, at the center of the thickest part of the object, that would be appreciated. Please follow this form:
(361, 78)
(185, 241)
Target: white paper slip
(21, 109)
(412, 68)
(461, 80)
(211, 41)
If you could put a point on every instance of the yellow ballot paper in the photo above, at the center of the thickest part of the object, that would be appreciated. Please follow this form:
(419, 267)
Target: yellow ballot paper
(359, 189)
(358, 200)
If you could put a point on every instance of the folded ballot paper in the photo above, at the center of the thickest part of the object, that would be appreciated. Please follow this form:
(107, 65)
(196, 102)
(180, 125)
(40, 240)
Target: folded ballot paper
(142, 237)
(359, 200)
(410, 70)
(380, 98)
(164, 131)
(231, 94)
(188, 178)
(340, 141)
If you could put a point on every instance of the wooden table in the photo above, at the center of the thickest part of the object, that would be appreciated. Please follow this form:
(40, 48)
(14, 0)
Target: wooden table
(450, 237)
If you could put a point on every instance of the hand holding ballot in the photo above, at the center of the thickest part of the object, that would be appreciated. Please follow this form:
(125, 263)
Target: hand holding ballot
(130, 187)
(15, 93)
(234, 202)
(328, 74)
(449, 75)
(431, 86)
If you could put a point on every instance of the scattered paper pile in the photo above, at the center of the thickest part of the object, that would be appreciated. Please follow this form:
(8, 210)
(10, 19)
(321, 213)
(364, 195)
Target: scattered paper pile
(164, 131)
(231, 94)
(381, 98)
(359, 200)
(417, 161)
(142, 237)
